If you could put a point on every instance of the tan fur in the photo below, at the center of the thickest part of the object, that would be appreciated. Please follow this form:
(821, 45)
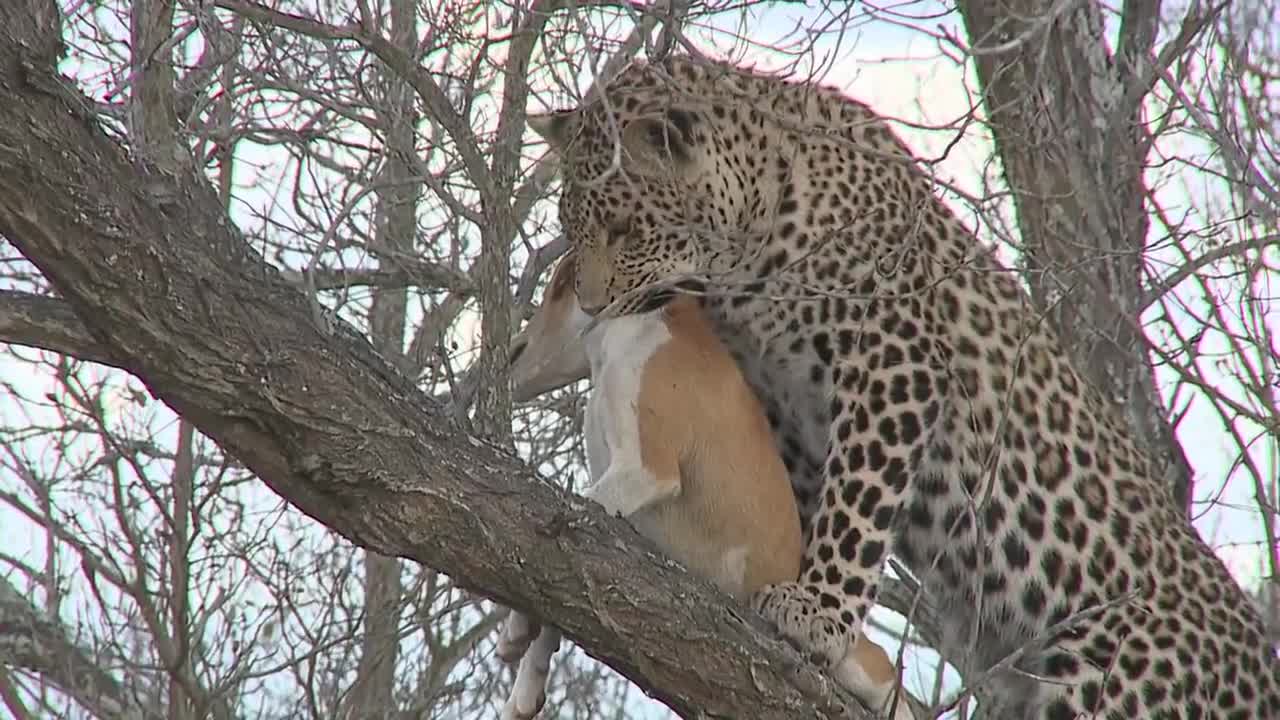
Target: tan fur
(870, 673)
(720, 500)
(702, 435)
(874, 661)
(702, 429)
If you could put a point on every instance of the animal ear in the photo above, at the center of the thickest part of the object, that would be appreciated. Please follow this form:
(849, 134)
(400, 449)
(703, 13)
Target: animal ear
(563, 277)
(669, 136)
(554, 127)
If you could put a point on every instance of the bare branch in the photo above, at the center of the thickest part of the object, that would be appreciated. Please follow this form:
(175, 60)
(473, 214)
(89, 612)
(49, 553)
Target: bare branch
(49, 324)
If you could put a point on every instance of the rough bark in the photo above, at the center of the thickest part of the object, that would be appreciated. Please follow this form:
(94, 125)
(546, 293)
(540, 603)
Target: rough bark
(156, 272)
(1065, 116)
(49, 324)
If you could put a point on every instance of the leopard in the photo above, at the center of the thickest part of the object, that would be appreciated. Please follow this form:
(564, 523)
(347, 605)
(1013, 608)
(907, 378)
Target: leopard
(924, 407)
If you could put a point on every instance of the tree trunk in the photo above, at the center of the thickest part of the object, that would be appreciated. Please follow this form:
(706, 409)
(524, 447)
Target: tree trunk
(1065, 116)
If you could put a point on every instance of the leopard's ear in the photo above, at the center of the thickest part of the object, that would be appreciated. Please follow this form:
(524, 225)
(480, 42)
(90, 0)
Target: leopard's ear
(555, 127)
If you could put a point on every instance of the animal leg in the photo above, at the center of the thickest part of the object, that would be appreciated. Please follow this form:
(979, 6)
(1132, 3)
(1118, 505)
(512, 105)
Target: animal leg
(529, 691)
(634, 478)
(625, 489)
(867, 671)
(865, 482)
(517, 632)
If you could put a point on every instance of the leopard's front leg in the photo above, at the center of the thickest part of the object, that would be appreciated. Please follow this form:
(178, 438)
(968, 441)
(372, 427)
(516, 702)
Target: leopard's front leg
(881, 417)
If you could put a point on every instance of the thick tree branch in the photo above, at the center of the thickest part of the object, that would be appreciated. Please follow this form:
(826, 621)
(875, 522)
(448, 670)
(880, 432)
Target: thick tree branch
(164, 283)
(49, 324)
(1073, 151)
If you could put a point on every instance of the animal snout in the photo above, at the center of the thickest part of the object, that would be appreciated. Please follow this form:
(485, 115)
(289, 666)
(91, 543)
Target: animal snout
(591, 308)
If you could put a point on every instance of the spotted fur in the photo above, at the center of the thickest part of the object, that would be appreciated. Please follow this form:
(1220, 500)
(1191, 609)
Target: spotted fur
(921, 405)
